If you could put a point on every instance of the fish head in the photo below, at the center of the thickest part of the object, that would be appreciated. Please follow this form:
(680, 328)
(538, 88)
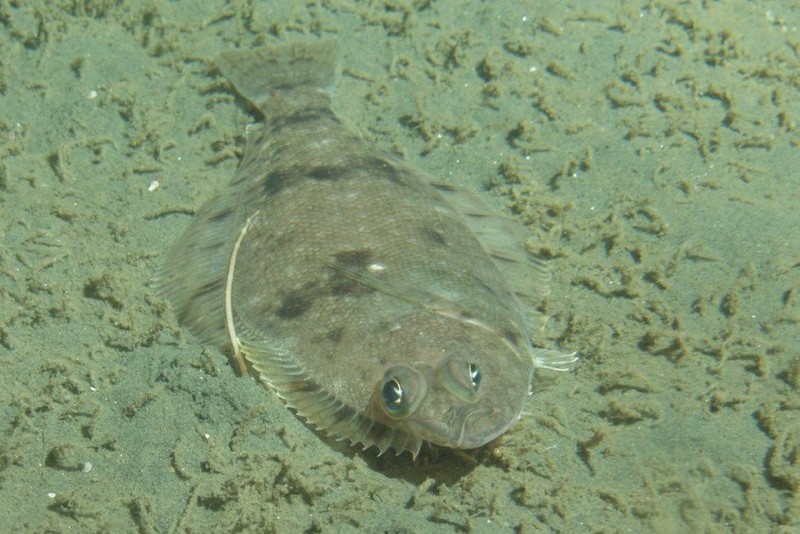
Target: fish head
(463, 394)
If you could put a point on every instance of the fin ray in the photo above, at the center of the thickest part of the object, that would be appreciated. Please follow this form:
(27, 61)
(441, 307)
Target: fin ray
(504, 240)
(257, 73)
(192, 276)
(319, 407)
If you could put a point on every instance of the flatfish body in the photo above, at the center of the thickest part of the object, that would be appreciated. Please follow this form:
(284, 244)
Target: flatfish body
(384, 307)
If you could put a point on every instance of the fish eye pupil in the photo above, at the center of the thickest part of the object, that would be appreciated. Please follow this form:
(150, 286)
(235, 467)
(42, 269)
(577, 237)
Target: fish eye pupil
(392, 394)
(474, 376)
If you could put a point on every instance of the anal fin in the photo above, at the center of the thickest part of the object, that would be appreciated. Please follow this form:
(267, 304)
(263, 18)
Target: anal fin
(193, 274)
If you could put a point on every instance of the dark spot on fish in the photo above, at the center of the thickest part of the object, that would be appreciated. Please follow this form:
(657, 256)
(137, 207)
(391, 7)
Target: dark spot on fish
(335, 335)
(441, 186)
(331, 172)
(487, 287)
(307, 386)
(512, 337)
(466, 316)
(343, 285)
(434, 235)
(354, 258)
(370, 167)
(211, 248)
(222, 215)
(349, 274)
(302, 116)
(294, 305)
(208, 288)
(476, 215)
(381, 168)
(275, 181)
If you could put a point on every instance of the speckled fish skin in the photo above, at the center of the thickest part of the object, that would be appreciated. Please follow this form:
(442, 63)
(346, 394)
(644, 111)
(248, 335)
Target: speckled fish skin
(365, 293)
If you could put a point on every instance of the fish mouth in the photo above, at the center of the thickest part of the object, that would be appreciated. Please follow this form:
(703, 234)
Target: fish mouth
(479, 426)
(468, 428)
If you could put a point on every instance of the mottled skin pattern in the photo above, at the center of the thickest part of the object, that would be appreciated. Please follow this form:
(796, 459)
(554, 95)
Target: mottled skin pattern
(360, 293)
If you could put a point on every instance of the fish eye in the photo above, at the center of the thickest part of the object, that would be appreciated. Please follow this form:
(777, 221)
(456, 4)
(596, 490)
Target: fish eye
(474, 376)
(401, 391)
(461, 376)
(392, 395)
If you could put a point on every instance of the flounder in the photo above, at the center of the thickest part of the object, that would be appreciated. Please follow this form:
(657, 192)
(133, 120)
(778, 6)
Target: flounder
(386, 308)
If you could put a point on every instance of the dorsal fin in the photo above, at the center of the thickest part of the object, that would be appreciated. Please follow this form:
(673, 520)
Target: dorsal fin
(504, 240)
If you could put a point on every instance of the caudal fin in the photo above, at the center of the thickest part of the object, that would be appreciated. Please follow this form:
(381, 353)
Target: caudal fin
(260, 72)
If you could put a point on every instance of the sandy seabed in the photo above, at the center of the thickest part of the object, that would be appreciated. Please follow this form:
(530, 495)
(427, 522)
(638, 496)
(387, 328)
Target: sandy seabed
(650, 147)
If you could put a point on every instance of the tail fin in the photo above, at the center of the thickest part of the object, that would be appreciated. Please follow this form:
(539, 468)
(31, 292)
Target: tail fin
(260, 72)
